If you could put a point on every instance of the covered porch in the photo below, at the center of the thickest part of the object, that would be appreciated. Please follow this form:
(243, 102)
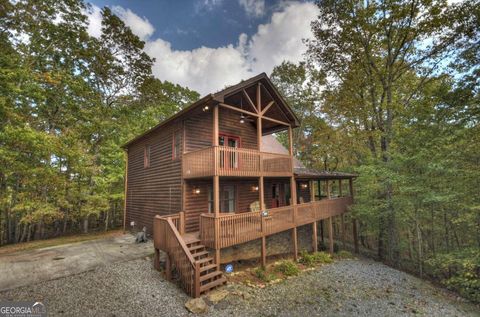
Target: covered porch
(316, 198)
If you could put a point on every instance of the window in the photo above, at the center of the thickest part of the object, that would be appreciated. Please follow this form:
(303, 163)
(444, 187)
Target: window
(146, 156)
(210, 199)
(227, 198)
(177, 144)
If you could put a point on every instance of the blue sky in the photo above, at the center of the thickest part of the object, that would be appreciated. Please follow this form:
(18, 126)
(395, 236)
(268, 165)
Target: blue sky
(208, 44)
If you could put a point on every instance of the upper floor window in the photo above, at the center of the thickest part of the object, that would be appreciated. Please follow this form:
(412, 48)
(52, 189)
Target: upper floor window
(177, 144)
(146, 156)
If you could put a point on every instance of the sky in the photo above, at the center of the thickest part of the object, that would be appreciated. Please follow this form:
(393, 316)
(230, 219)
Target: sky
(209, 44)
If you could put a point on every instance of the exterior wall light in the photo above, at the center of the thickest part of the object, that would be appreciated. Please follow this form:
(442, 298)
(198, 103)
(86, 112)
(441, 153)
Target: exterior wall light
(255, 188)
(196, 190)
(205, 108)
(304, 185)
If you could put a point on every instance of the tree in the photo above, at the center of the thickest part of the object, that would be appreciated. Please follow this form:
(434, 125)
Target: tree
(370, 50)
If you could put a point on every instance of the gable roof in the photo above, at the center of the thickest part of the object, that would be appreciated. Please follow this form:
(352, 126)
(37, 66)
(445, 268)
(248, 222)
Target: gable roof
(220, 96)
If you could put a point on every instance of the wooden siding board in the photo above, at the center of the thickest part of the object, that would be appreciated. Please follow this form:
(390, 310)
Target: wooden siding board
(155, 190)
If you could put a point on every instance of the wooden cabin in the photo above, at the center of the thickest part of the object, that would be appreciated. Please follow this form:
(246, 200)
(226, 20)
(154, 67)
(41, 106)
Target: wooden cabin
(214, 176)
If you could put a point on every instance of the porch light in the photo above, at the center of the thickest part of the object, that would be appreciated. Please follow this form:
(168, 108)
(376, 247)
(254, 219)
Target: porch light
(255, 188)
(196, 190)
(304, 185)
(205, 108)
(242, 118)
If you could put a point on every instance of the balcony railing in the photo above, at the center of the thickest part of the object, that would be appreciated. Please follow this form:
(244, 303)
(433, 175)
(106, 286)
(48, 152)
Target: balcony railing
(231, 229)
(229, 161)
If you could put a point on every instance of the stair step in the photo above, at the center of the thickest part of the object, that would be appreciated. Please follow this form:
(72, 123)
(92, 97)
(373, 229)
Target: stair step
(191, 241)
(196, 247)
(208, 267)
(205, 260)
(213, 284)
(208, 276)
(200, 254)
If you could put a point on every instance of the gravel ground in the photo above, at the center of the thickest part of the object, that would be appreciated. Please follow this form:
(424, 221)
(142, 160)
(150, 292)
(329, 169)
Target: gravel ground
(346, 288)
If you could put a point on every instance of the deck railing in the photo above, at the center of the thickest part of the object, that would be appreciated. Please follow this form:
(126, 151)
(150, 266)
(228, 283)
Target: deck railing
(231, 229)
(229, 161)
(168, 239)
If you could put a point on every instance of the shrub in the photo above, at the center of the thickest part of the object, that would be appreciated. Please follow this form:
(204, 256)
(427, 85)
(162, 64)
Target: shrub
(458, 271)
(262, 275)
(322, 257)
(307, 258)
(310, 259)
(287, 268)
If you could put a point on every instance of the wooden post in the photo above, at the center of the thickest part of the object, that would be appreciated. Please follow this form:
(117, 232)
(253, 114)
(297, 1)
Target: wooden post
(261, 193)
(342, 224)
(156, 260)
(330, 235)
(196, 281)
(314, 236)
(259, 102)
(181, 222)
(330, 222)
(312, 193)
(217, 258)
(340, 188)
(264, 252)
(295, 244)
(125, 193)
(354, 220)
(168, 268)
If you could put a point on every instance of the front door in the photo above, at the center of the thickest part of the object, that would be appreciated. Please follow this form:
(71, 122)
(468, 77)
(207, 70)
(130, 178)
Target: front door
(229, 159)
(227, 198)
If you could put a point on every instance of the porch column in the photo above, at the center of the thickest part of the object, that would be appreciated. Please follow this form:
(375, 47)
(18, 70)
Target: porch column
(312, 192)
(216, 185)
(330, 224)
(354, 220)
(314, 224)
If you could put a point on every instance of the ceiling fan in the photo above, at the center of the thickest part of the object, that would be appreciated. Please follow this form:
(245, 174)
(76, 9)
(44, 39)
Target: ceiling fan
(243, 117)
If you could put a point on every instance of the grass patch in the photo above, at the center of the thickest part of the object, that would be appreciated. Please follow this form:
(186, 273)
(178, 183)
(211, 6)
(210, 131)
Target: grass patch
(344, 255)
(311, 259)
(38, 244)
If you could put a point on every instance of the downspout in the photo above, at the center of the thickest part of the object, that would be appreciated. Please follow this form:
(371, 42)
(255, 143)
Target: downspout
(125, 193)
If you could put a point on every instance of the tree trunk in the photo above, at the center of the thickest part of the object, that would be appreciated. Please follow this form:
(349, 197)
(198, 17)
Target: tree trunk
(85, 225)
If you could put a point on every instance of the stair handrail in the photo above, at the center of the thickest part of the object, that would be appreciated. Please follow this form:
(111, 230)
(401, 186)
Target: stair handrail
(192, 278)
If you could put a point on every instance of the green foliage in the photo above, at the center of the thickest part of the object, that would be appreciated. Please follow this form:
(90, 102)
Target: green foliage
(459, 271)
(263, 275)
(68, 101)
(311, 259)
(287, 268)
(343, 254)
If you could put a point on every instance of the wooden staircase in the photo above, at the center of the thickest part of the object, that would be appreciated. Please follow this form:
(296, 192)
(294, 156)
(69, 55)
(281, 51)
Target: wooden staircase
(209, 275)
(197, 271)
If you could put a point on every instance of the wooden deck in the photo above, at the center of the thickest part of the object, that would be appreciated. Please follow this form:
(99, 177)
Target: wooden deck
(229, 161)
(232, 229)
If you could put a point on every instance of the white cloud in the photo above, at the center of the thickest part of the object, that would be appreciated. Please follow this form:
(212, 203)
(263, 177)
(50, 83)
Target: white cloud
(207, 69)
(210, 69)
(94, 15)
(207, 5)
(139, 26)
(254, 8)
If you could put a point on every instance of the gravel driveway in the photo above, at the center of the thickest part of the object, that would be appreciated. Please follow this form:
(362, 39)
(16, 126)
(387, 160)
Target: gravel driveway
(346, 288)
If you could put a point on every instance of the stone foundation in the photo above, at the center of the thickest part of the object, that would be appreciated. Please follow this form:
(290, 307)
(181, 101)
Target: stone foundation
(280, 243)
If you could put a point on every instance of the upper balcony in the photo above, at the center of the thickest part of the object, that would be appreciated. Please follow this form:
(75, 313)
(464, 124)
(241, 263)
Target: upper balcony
(230, 161)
